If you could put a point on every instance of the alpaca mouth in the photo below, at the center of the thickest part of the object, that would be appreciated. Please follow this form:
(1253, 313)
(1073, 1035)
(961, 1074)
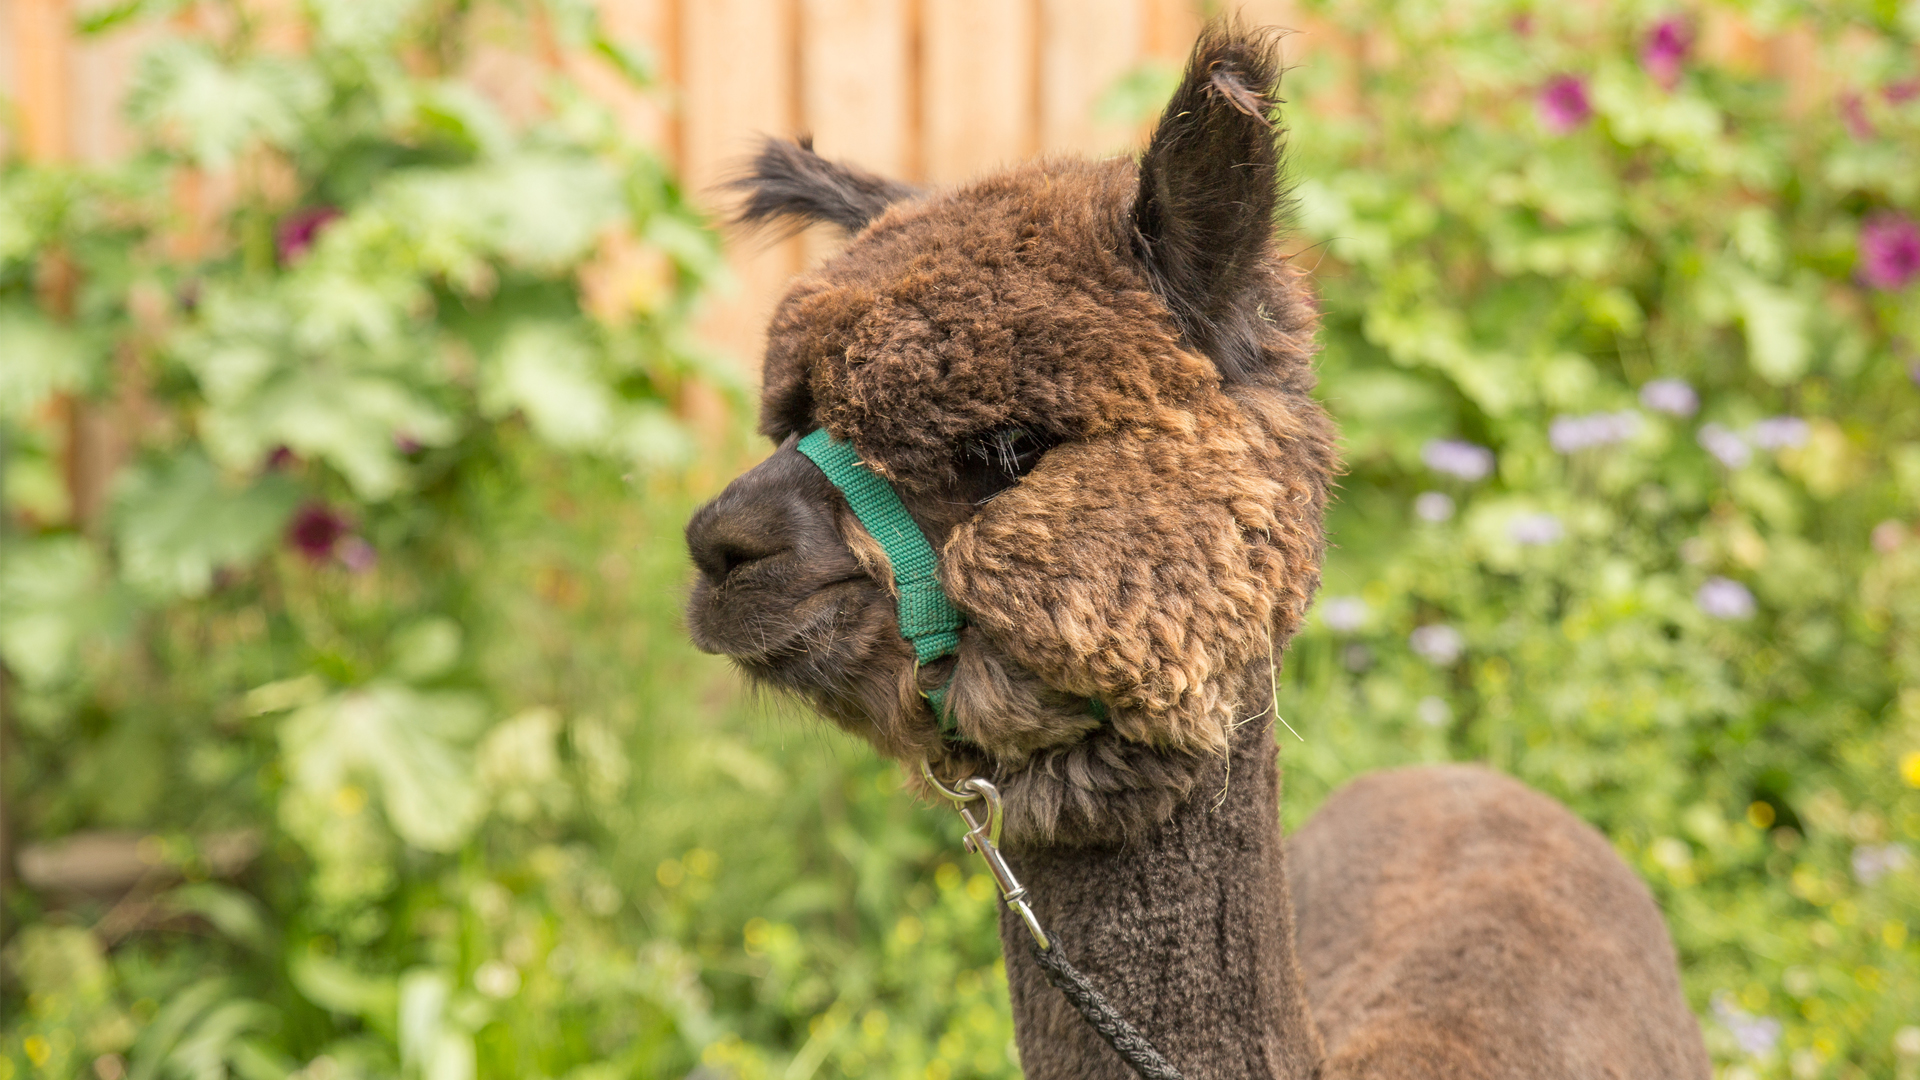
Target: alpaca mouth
(776, 637)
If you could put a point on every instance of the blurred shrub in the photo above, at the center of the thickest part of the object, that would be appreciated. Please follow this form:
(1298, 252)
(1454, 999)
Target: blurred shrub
(1623, 330)
(372, 644)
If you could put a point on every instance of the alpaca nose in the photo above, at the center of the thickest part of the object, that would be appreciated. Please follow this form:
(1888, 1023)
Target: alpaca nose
(730, 533)
(773, 509)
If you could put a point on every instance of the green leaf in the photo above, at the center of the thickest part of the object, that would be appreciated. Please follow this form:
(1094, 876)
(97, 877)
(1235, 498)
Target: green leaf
(1775, 320)
(214, 110)
(42, 358)
(179, 521)
(636, 62)
(345, 418)
(415, 745)
(548, 372)
(52, 599)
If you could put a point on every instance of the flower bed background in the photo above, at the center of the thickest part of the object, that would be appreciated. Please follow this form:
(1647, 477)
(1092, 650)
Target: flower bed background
(352, 732)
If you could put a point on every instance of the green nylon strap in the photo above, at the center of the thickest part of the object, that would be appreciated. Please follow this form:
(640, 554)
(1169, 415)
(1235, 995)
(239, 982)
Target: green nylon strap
(928, 620)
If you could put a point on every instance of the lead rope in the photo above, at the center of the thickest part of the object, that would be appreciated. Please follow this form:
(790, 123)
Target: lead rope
(983, 839)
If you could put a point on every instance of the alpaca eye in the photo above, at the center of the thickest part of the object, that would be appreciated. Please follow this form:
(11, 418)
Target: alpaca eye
(997, 460)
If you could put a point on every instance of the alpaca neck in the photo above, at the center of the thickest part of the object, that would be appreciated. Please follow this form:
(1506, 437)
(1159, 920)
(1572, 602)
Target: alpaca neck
(1189, 933)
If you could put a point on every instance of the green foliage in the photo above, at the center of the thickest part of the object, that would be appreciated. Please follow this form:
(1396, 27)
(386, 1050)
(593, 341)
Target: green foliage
(375, 645)
(1707, 652)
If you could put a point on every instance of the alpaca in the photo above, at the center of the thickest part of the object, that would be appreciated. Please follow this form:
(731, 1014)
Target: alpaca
(1089, 384)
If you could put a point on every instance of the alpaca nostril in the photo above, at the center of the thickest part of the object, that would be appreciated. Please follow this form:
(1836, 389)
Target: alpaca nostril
(729, 557)
(722, 543)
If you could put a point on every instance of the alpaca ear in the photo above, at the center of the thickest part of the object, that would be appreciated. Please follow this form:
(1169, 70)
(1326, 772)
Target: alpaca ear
(790, 184)
(1204, 217)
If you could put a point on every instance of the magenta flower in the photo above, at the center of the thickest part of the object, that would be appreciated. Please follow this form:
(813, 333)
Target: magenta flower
(1853, 109)
(300, 229)
(1902, 92)
(1562, 104)
(1889, 250)
(316, 529)
(1664, 50)
(357, 555)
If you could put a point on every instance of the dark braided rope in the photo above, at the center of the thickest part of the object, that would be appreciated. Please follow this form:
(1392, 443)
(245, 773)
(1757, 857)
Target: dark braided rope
(1125, 1039)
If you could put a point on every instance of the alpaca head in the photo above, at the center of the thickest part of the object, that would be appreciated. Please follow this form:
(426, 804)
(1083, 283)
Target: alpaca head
(1088, 382)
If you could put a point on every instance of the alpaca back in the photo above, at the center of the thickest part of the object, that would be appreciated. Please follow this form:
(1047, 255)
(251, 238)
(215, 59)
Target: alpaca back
(1451, 922)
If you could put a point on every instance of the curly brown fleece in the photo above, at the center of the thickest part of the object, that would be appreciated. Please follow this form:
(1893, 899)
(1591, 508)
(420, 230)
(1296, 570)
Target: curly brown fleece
(1172, 532)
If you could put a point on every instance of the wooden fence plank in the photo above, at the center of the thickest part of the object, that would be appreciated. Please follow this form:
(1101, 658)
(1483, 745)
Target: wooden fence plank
(857, 94)
(649, 25)
(738, 58)
(978, 96)
(44, 81)
(1085, 48)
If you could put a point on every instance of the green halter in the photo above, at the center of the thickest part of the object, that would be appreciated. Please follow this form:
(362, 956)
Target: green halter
(928, 620)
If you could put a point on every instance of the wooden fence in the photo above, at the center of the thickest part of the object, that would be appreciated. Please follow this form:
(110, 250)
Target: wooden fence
(928, 90)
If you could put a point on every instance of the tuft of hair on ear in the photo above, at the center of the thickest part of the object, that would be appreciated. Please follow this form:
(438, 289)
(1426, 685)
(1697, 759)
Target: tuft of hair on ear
(789, 187)
(1204, 216)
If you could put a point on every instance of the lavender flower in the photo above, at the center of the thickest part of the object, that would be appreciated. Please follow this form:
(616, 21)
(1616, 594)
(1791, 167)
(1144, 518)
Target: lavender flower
(1438, 644)
(1562, 104)
(314, 531)
(1757, 1035)
(300, 229)
(1433, 711)
(1434, 506)
(1725, 598)
(1568, 434)
(1664, 50)
(1871, 862)
(1889, 251)
(1343, 614)
(1457, 457)
(1779, 433)
(1671, 396)
(357, 555)
(1726, 445)
(1533, 530)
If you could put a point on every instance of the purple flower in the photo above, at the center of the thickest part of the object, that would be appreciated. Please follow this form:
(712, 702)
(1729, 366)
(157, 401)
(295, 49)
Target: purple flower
(1437, 644)
(1457, 457)
(300, 229)
(1889, 250)
(1671, 396)
(1562, 104)
(315, 530)
(1725, 444)
(1888, 536)
(1757, 1035)
(1724, 598)
(1779, 433)
(1664, 50)
(1853, 110)
(1434, 506)
(1343, 614)
(1871, 862)
(357, 555)
(406, 444)
(1533, 530)
(1568, 434)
